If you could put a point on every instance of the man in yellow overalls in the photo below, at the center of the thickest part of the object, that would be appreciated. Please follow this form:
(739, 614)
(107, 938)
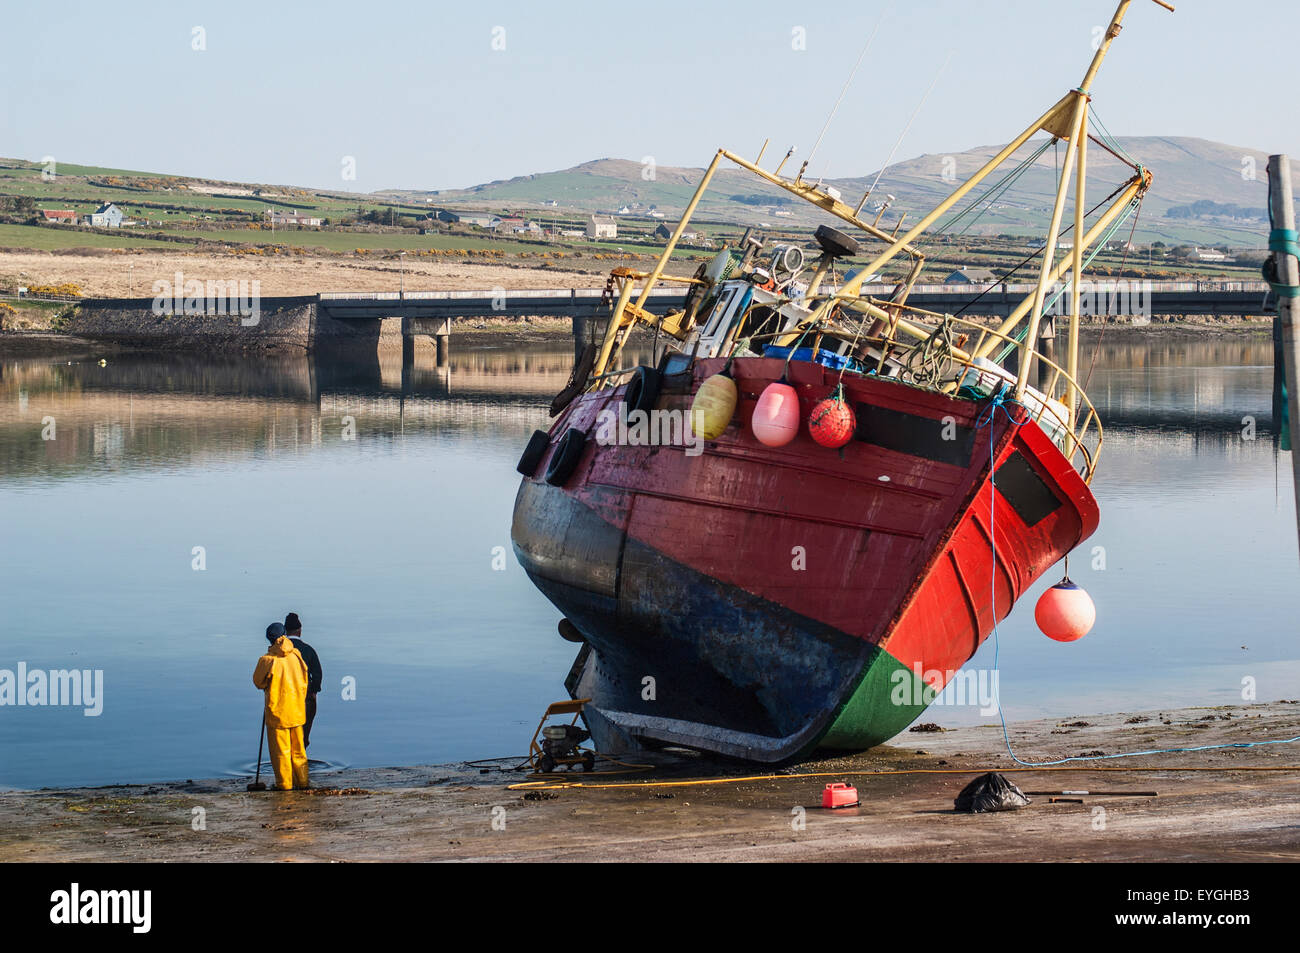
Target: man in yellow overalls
(282, 675)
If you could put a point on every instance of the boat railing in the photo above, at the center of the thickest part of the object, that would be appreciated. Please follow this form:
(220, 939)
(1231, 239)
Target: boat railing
(1082, 430)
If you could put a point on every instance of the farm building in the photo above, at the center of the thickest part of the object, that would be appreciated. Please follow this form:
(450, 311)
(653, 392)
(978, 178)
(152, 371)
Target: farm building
(602, 226)
(278, 217)
(689, 236)
(64, 216)
(107, 215)
(970, 276)
(1209, 254)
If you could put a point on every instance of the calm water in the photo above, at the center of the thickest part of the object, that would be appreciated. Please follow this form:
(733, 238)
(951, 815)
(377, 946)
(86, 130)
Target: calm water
(384, 544)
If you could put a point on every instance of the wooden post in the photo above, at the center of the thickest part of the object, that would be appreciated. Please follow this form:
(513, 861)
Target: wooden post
(1282, 208)
(580, 326)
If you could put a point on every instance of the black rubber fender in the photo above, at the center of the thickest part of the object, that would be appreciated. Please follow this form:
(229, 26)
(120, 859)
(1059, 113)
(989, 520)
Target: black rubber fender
(533, 453)
(565, 457)
(569, 632)
(577, 379)
(643, 390)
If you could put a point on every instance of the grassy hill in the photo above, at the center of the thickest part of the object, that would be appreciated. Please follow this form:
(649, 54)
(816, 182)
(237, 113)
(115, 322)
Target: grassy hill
(1186, 170)
(1199, 197)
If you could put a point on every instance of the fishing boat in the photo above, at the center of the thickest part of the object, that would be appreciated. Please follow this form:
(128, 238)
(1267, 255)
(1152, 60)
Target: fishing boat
(797, 524)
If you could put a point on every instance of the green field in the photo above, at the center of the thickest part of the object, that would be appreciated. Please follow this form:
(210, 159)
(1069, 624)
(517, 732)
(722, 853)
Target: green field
(349, 241)
(49, 238)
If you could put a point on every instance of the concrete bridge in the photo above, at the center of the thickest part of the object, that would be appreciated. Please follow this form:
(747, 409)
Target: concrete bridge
(1103, 296)
(403, 320)
(428, 314)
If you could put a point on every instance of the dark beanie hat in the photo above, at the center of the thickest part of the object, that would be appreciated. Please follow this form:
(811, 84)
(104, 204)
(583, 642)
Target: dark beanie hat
(291, 622)
(274, 631)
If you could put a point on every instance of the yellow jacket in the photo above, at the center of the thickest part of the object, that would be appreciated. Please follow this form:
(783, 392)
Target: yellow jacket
(282, 674)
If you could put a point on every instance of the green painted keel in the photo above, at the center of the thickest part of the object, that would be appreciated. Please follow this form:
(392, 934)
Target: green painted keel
(888, 699)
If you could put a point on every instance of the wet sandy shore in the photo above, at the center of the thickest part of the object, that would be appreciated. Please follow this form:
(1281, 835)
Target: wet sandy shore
(1226, 804)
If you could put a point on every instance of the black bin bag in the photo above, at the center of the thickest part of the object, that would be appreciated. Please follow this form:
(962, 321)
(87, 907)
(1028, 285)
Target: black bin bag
(989, 792)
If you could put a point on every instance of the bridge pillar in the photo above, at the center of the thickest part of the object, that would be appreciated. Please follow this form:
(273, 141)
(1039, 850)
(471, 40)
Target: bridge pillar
(391, 332)
(437, 328)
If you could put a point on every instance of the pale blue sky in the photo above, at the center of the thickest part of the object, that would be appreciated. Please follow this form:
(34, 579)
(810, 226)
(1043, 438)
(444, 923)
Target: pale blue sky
(416, 93)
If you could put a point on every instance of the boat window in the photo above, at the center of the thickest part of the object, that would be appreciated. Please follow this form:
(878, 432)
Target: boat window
(725, 301)
(918, 436)
(1031, 498)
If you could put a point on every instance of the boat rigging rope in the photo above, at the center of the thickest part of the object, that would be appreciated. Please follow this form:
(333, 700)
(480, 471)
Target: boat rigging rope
(1101, 338)
(927, 361)
(1284, 242)
(993, 192)
(1031, 256)
(1000, 400)
(1050, 302)
(1109, 142)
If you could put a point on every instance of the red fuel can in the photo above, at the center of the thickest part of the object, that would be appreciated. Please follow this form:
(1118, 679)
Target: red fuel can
(839, 794)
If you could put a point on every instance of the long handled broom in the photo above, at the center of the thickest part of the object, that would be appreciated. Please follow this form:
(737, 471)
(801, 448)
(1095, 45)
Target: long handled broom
(257, 784)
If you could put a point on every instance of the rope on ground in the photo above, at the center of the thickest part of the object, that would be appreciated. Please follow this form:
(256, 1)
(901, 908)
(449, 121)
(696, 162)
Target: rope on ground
(701, 782)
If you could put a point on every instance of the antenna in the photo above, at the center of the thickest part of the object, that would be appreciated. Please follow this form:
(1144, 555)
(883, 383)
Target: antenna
(845, 89)
(783, 161)
(899, 141)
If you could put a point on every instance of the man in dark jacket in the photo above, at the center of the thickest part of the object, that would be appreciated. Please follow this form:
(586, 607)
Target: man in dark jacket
(293, 626)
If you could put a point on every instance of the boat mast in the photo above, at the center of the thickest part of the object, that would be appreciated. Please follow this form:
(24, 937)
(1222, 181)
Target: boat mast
(1065, 120)
(1075, 107)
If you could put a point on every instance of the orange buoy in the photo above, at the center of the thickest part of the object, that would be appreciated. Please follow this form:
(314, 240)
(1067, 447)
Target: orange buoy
(1065, 612)
(776, 415)
(832, 423)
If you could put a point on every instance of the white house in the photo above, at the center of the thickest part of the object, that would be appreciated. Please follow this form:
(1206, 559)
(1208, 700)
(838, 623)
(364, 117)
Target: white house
(278, 217)
(107, 215)
(1209, 254)
(602, 226)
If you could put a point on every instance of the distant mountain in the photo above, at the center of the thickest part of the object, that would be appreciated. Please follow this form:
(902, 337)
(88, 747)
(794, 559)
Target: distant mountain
(1228, 182)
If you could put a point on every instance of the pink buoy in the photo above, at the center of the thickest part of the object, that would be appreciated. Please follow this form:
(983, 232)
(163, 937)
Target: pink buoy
(1065, 612)
(776, 415)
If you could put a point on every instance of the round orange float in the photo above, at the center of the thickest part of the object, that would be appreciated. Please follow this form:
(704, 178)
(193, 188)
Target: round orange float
(832, 422)
(1065, 612)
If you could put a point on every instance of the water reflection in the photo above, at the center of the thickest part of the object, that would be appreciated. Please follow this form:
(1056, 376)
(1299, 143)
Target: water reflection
(144, 411)
(1183, 384)
(394, 548)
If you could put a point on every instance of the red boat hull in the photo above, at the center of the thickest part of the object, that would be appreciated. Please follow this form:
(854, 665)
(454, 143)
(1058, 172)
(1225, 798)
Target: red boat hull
(792, 585)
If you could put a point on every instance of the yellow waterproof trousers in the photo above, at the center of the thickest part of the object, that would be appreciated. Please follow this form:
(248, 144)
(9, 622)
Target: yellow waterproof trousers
(288, 757)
